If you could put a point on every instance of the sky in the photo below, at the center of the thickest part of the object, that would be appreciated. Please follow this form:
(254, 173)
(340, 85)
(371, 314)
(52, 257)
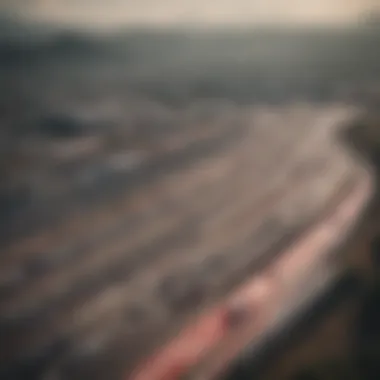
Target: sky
(110, 13)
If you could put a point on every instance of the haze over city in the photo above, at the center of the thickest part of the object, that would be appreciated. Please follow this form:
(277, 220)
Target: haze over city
(113, 13)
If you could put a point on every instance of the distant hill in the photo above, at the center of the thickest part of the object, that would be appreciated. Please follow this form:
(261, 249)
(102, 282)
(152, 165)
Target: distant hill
(22, 42)
(372, 19)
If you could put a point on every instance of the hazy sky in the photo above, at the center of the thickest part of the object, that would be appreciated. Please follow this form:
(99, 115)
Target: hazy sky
(116, 12)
